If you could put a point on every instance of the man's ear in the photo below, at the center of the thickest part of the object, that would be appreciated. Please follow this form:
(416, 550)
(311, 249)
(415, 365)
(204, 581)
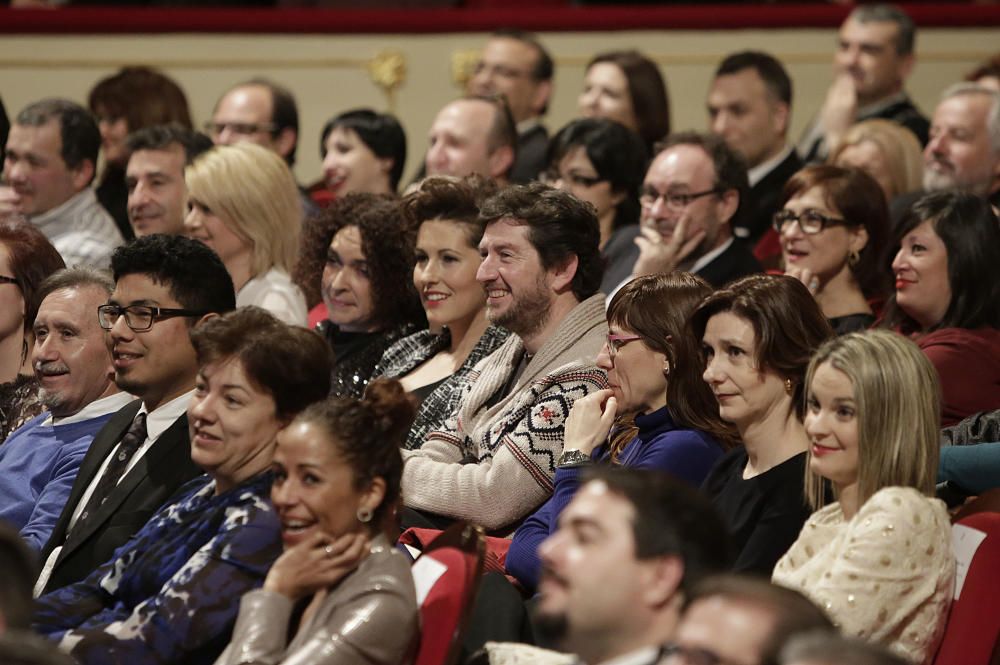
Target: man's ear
(285, 142)
(562, 274)
(500, 161)
(906, 64)
(729, 203)
(206, 317)
(662, 576)
(82, 175)
(541, 96)
(780, 116)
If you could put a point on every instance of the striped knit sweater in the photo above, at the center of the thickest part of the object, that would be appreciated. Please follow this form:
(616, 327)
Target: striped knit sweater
(494, 465)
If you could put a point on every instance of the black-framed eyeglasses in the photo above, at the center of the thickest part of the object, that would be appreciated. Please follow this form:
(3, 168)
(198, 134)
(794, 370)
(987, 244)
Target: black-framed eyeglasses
(810, 221)
(239, 128)
(676, 201)
(552, 176)
(4, 279)
(140, 318)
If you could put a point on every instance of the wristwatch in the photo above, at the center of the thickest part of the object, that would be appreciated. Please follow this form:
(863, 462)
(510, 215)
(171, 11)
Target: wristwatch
(572, 458)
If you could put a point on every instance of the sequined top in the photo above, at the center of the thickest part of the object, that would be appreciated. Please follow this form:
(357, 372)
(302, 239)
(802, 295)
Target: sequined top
(886, 575)
(20, 401)
(355, 355)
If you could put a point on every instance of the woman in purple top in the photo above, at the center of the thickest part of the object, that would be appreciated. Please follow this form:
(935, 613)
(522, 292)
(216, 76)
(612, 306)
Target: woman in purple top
(656, 414)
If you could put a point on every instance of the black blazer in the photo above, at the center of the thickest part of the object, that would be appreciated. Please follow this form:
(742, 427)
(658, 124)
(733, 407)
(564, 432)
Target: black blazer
(155, 477)
(735, 262)
(763, 200)
(530, 158)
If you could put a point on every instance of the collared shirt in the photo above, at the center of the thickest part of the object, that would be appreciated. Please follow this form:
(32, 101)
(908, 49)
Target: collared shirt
(644, 656)
(757, 173)
(708, 257)
(95, 409)
(81, 230)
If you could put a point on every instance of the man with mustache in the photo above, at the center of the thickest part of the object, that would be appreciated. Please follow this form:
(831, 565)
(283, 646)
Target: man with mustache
(39, 461)
(48, 166)
(874, 57)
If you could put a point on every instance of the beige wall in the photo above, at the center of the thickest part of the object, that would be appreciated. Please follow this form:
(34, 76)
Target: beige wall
(329, 74)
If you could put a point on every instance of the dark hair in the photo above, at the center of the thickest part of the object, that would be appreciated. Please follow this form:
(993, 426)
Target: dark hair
(452, 199)
(792, 613)
(970, 232)
(657, 308)
(768, 68)
(32, 258)
(560, 226)
(381, 132)
(17, 571)
(987, 68)
(79, 277)
(503, 129)
(860, 201)
(142, 96)
(161, 137)
(81, 139)
(788, 325)
(368, 434)
(884, 13)
(387, 242)
(194, 274)
(646, 89)
(617, 154)
(290, 363)
(671, 518)
(284, 110)
(730, 167)
(826, 647)
(544, 67)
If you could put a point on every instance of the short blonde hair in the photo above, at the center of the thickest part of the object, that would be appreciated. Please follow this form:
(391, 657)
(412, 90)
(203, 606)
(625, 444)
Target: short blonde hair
(254, 192)
(897, 144)
(898, 412)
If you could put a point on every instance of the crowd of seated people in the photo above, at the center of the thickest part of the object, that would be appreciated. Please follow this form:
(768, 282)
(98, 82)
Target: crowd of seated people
(690, 387)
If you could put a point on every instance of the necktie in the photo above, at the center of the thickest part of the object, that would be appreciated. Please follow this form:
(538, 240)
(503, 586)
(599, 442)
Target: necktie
(134, 437)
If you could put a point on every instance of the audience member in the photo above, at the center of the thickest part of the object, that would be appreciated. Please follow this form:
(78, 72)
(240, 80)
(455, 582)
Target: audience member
(434, 365)
(692, 191)
(987, 74)
(631, 545)
(601, 162)
(363, 151)
(494, 460)
(947, 290)
(26, 259)
(827, 649)
(888, 152)
(244, 206)
(658, 413)
(834, 230)
(758, 334)
(39, 461)
(874, 58)
(49, 163)
(164, 285)
(169, 594)
(131, 99)
(473, 135)
(750, 107)
(154, 177)
(365, 249)
(879, 559)
(627, 87)
(516, 65)
(340, 592)
(736, 619)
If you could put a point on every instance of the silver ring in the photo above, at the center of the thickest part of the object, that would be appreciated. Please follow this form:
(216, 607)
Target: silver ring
(329, 550)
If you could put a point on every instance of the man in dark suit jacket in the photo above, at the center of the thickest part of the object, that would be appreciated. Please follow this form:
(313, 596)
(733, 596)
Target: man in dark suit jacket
(164, 285)
(691, 193)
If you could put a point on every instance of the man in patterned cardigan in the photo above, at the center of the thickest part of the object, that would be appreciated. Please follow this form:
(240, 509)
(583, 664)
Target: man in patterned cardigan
(494, 461)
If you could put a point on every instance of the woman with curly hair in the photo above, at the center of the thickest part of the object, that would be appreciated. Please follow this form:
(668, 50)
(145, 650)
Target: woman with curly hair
(356, 253)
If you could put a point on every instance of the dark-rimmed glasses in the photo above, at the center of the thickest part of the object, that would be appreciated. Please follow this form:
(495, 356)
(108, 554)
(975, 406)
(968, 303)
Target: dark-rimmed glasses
(4, 279)
(676, 201)
(810, 221)
(140, 318)
(616, 342)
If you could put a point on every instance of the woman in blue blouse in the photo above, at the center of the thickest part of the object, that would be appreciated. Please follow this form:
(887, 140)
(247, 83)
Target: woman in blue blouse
(170, 594)
(658, 411)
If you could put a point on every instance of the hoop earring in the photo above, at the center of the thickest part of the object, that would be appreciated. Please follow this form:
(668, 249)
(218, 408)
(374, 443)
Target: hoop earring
(365, 515)
(789, 386)
(853, 258)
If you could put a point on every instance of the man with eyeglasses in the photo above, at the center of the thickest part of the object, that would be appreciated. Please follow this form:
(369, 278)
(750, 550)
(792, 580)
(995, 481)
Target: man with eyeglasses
(515, 64)
(692, 191)
(164, 285)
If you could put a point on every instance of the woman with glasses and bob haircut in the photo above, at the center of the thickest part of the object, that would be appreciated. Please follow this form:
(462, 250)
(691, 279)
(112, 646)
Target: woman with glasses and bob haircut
(244, 205)
(603, 163)
(656, 414)
(757, 336)
(834, 230)
(879, 559)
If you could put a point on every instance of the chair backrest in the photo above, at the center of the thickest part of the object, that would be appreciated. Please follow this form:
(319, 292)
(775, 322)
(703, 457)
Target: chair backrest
(971, 635)
(447, 575)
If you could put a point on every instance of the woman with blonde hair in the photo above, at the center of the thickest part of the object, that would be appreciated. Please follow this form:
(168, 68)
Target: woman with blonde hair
(243, 203)
(887, 151)
(879, 559)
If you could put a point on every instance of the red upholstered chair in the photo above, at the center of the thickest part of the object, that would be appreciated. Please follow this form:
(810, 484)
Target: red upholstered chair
(971, 636)
(447, 576)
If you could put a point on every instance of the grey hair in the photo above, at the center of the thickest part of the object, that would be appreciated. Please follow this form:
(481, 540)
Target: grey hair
(966, 88)
(907, 36)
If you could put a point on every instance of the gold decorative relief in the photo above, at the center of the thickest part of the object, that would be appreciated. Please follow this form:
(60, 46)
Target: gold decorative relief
(388, 71)
(463, 65)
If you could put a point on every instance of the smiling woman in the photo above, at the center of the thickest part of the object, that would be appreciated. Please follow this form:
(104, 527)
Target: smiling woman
(156, 600)
(363, 151)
